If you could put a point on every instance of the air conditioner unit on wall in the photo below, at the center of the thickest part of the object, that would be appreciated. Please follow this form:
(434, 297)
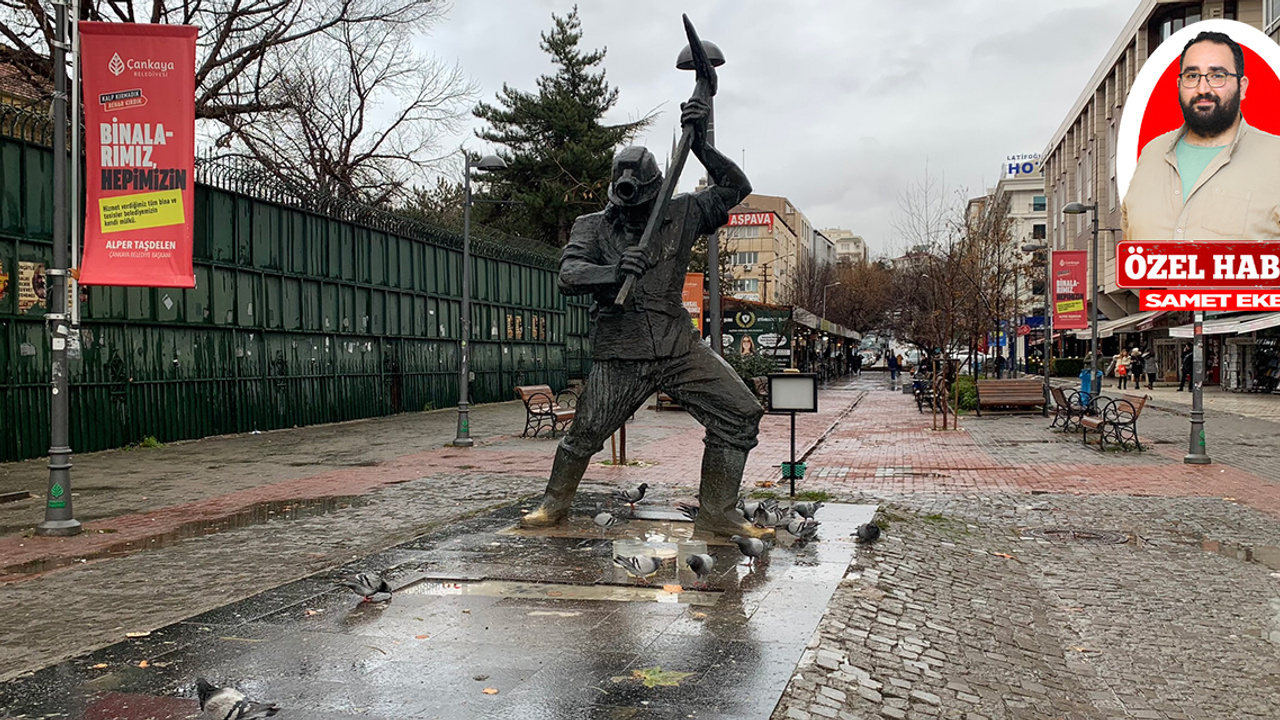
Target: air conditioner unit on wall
(748, 268)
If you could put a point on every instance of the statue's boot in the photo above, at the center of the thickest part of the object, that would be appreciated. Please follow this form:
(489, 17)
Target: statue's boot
(566, 473)
(718, 498)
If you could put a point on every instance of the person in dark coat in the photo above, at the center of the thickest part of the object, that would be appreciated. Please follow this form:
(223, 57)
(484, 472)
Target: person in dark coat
(1184, 374)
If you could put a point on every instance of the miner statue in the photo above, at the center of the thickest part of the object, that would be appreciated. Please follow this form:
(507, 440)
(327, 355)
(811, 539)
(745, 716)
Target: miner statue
(632, 259)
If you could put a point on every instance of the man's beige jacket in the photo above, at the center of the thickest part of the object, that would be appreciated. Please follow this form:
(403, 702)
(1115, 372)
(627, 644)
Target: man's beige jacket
(1236, 198)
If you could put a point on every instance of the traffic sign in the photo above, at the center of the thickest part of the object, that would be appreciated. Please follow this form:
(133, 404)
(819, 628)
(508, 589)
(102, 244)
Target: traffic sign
(1024, 329)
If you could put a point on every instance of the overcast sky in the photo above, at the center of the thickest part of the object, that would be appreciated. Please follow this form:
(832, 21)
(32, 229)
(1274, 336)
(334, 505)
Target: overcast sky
(836, 105)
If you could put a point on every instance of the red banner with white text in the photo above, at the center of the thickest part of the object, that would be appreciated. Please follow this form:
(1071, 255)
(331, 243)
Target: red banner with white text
(139, 107)
(1070, 285)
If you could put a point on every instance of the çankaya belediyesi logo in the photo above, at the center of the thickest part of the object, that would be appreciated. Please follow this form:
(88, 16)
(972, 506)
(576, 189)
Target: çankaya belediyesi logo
(117, 66)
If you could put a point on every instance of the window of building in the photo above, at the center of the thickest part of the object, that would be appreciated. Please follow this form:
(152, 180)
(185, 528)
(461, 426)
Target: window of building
(747, 285)
(1038, 203)
(1038, 231)
(746, 258)
(1271, 15)
(1169, 19)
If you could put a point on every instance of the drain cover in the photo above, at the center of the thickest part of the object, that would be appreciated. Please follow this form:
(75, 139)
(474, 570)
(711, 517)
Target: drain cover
(1077, 535)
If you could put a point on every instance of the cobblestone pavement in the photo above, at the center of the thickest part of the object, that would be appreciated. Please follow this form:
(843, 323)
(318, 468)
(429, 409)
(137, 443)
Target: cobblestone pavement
(1181, 621)
(956, 614)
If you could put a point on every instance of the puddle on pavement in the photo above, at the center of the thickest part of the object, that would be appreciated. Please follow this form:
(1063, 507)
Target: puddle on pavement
(561, 591)
(256, 514)
(542, 618)
(1265, 555)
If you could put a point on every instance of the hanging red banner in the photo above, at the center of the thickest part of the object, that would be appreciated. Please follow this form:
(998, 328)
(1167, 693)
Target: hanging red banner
(1070, 286)
(692, 296)
(139, 107)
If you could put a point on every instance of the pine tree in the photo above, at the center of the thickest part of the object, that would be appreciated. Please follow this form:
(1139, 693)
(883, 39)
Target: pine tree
(558, 151)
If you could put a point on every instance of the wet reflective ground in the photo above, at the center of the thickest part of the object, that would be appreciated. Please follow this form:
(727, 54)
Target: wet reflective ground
(486, 622)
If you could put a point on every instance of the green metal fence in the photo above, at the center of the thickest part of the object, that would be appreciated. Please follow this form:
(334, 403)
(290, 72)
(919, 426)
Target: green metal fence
(303, 312)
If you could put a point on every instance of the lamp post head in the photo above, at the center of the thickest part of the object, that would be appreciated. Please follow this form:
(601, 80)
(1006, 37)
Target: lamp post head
(1076, 208)
(487, 163)
(714, 54)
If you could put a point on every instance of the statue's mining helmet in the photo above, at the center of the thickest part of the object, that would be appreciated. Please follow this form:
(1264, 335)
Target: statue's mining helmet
(636, 177)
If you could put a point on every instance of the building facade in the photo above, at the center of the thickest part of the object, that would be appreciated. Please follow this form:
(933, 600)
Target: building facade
(1079, 164)
(850, 248)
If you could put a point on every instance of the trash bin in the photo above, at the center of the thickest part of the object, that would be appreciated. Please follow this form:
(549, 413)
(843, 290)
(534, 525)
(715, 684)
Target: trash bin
(1090, 386)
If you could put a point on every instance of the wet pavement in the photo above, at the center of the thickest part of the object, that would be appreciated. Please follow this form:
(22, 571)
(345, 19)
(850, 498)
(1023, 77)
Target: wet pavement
(487, 621)
(991, 596)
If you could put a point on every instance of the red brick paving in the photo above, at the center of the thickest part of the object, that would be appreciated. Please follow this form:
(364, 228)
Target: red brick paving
(885, 433)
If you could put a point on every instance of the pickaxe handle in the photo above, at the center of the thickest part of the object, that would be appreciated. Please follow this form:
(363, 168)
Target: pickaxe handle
(704, 88)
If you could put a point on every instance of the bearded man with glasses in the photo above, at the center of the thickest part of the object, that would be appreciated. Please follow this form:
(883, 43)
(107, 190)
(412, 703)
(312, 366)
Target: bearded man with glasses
(1216, 177)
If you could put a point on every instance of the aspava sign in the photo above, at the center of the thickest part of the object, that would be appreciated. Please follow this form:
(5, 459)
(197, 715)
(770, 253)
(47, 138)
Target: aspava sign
(751, 219)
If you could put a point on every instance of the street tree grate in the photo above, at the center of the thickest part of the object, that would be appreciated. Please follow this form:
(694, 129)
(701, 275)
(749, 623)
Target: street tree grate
(1076, 535)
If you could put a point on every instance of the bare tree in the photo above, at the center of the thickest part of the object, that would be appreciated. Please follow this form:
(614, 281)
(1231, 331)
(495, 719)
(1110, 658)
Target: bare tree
(363, 116)
(256, 60)
(803, 287)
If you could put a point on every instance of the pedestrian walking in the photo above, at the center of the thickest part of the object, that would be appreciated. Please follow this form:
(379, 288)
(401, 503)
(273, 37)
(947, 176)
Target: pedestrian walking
(1136, 367)
(1152, 365)
(1122, 369)
(857, 364)
(895, 364)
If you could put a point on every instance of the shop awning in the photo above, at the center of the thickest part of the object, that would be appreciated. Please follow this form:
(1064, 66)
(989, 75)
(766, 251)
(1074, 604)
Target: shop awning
(1124, 324)
(809, 320)
(1150, 322)
(1229, 325)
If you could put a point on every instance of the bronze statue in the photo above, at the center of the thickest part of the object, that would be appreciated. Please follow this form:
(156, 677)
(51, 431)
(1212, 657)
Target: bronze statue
(632, 258)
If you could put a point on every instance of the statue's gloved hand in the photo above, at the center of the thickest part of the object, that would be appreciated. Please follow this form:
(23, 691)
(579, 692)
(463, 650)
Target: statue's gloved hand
(695, 113)
(633, 262)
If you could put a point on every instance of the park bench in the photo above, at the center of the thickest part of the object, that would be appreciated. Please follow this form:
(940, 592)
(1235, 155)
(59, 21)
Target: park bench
(666, 402)
(1068, 410)
(1010, 394)
(1116, 421)
(545, 409)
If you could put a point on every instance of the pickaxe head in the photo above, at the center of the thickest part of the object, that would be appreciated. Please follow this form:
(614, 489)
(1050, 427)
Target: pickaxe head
(698, 60)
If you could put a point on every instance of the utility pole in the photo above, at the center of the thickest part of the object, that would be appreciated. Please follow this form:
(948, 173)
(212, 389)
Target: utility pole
(59, 518)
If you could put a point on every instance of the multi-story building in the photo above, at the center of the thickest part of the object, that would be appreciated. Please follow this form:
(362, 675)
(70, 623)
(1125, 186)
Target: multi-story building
(1020, 194)
(763, 251)
(1080, 159)
(850, 248)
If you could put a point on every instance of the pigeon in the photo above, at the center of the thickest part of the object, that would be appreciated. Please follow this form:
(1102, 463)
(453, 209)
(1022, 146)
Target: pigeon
(752, 548)
(803, 528)
(767, 516)
(631, 497)
(748, 508)
(867, 534)
(371, 586)
(806, 509)
(641, 566)
(607, 519)
(690, 511)
(230, 704)
(701, 566)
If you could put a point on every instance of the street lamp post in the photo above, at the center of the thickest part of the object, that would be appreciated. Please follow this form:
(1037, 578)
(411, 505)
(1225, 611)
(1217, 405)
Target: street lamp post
(1048, 317)
(1079, 208)
(486, 163)
(59, 517)
(1196, 454)
(685, 62)
(824, 297)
